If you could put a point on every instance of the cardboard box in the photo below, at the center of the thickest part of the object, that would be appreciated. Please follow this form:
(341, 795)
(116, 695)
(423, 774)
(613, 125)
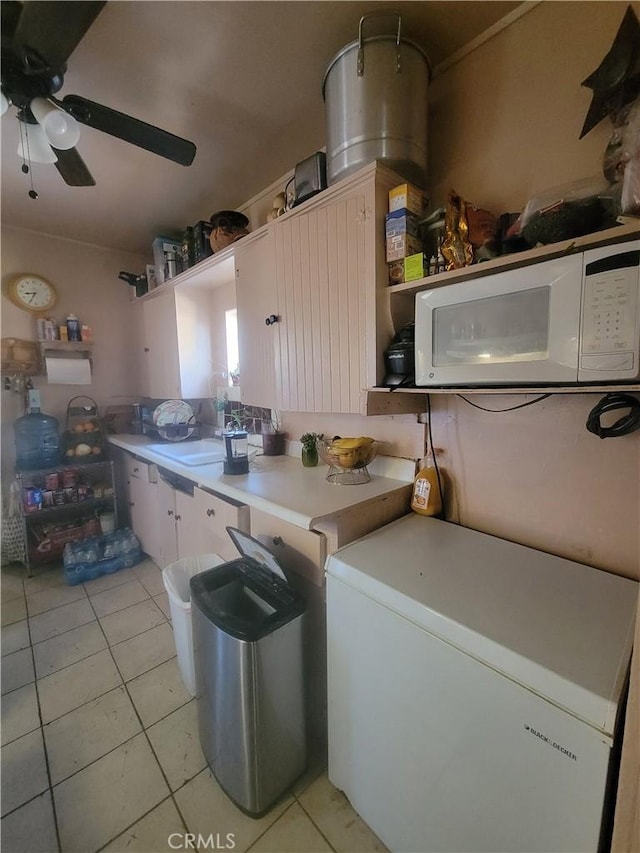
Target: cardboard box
(416, 266)
(401, 222)
(409, 196)
(396, 272)
(401, 245)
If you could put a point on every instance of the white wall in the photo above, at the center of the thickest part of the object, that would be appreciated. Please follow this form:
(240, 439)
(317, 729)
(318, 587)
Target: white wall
(86, 278)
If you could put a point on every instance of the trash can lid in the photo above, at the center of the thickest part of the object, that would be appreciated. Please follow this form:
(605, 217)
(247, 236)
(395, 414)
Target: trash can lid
(245, 599)
(250, 547)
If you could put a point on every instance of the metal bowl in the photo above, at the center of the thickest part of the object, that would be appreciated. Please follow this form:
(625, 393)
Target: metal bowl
(347, 466)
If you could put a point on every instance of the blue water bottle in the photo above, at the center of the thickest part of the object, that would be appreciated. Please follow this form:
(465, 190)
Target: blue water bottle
(37, 438)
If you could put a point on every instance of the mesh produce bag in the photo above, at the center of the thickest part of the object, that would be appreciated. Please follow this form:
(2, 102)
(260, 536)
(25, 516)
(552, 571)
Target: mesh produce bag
(13, 544)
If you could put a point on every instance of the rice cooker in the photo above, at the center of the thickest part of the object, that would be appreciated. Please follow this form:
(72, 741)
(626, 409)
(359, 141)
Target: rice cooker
(399, 358)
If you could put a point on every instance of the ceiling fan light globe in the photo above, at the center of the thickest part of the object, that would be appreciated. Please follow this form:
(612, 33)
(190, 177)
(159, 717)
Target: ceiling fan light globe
(33, 145)
(61, 129)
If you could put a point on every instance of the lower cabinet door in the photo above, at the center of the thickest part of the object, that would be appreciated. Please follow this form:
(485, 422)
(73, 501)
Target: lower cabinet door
(297, 550)
(211, 516)
(144, 513)
(167, 548)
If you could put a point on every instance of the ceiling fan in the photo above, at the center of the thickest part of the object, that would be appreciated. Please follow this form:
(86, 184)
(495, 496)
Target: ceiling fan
(38, 37)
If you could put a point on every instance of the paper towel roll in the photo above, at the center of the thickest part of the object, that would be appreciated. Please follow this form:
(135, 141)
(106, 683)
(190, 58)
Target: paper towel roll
(68, 371)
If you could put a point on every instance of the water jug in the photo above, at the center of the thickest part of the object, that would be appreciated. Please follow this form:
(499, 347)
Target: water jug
(37, 441)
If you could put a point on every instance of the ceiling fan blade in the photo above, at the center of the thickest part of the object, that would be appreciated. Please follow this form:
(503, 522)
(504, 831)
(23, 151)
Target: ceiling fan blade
(130, 129)
(11, 10)
(72, 168)
(53, 28)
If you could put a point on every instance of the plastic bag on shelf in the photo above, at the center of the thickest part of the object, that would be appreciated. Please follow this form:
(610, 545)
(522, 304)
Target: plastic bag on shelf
(565, 211)
(621, 162)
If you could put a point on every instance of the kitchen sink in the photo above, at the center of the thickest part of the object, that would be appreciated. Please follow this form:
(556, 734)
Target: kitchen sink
(201, 452)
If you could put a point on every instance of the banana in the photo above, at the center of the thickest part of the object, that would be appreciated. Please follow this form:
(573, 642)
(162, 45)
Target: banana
(349, 452)
(351, 443)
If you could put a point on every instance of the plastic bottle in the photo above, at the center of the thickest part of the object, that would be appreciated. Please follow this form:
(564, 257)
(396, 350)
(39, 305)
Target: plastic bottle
(188, 249)
(426, 499)
(37, 439)
(73, 328)
(51, 329)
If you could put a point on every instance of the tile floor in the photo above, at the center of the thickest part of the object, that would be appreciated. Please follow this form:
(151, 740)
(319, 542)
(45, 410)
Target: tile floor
(100, 748)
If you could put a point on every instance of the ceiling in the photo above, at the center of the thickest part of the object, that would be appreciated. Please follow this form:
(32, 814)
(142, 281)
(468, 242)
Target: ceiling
(242, 80)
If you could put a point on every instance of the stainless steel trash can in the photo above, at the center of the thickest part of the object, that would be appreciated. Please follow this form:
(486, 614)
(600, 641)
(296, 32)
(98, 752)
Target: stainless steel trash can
(247, 634)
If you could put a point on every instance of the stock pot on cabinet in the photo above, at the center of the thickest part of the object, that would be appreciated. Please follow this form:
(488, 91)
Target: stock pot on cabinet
(375, 91)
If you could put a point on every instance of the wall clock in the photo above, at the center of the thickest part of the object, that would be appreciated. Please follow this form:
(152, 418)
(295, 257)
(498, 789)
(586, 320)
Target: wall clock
(32, 293)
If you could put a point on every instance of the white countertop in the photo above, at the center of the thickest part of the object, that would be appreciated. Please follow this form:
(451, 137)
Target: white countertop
(279, 485)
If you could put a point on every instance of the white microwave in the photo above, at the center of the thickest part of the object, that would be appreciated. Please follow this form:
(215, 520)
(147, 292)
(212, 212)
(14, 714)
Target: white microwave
(569, 321)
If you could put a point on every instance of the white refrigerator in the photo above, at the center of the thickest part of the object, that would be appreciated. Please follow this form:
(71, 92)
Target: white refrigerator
(474, 689)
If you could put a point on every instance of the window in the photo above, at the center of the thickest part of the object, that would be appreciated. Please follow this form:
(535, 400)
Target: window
(233, 363)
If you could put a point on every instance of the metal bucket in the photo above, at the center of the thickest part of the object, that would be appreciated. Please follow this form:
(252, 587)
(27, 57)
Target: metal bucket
(375, 91)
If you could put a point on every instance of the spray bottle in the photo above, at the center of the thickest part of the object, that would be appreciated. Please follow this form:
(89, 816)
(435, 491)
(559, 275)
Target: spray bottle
(426, 498)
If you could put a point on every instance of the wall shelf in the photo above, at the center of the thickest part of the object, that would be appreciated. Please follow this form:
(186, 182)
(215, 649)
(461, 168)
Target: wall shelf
(20, 357)
(404, 401)
(83, 348)
(209, 274)
(626, 230)
(537, 389)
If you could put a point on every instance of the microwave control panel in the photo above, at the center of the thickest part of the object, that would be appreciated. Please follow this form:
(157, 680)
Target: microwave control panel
(610, 315)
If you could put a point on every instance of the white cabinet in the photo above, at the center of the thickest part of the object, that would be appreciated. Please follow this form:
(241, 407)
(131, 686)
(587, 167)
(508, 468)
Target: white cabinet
(298, 550)
(322, 272)
(314, 314)
(212, 515)
(332, 295)
(144, 508)
(140, 367)
(177, 343)
(258, 319)
(160, 346)
(167, 539)
(195, 524)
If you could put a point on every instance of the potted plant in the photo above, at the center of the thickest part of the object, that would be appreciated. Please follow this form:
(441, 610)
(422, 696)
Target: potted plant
(219, 404)
(310, 448)
(273, 438)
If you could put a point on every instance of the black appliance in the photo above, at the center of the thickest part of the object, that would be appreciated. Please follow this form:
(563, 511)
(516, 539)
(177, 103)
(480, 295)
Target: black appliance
(138, 281)
(237, 459)
(399, 359)
(310, 177)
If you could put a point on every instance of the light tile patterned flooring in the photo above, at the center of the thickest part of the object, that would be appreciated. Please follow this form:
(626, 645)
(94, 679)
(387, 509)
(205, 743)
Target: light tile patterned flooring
(100, 747)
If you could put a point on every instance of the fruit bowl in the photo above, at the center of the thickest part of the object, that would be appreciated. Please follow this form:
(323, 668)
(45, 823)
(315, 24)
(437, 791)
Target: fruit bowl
(348, 458)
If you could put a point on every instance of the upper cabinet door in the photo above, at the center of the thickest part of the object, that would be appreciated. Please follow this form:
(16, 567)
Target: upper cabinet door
(326, 287)
(177, 344)
(259, 320)
(161, 346)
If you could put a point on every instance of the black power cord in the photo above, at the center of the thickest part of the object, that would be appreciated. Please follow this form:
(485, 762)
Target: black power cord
(509, 409)
(626, 424)
(435, 461)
